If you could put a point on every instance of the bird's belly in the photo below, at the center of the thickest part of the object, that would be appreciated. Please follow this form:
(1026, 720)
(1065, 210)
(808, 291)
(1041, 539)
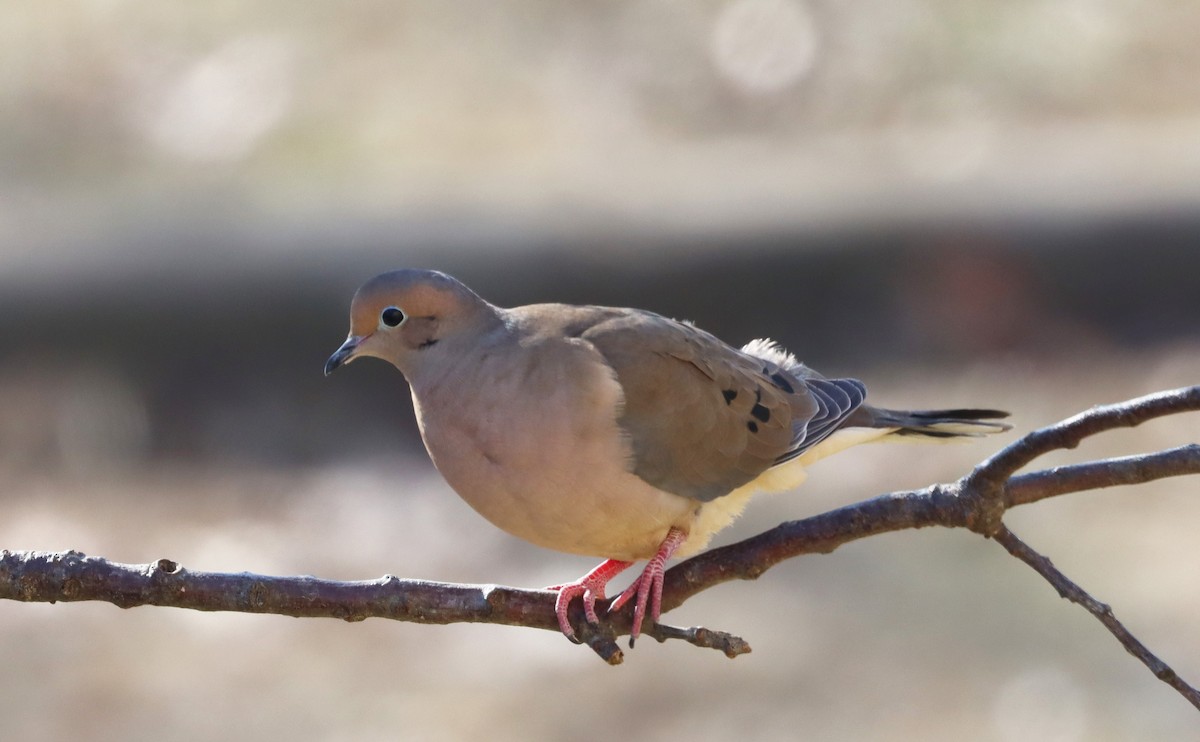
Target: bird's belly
(553, 470)
(589, 508)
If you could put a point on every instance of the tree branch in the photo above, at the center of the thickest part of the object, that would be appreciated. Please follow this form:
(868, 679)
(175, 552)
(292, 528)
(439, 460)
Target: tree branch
(990, 476)
(977, 502)
(1024, 489)
(1103, 613)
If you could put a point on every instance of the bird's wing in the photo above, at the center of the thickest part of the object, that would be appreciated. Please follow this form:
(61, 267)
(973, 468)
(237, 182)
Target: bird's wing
(705, 418)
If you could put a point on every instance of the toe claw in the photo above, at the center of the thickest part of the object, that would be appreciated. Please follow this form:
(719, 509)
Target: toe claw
(590, 588)
(647, 589)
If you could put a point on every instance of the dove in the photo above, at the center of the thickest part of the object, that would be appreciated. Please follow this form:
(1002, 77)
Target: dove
(609, 432)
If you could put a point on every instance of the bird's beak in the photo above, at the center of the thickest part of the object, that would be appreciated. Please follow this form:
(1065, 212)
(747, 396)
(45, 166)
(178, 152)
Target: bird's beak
(344, 354)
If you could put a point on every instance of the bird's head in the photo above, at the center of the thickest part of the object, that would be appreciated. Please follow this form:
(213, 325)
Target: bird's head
(402, 315)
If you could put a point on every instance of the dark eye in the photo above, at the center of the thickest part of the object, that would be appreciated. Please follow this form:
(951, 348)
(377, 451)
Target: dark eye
(392, 316)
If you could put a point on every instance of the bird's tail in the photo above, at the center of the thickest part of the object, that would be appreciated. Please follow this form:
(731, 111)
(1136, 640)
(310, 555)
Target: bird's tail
(958, 423)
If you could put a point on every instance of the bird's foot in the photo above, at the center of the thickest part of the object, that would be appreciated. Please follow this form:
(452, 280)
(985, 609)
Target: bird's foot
(649, 586)
(591, 588)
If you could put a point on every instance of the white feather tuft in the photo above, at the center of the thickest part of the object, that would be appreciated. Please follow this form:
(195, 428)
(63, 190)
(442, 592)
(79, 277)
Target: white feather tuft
(772, 352)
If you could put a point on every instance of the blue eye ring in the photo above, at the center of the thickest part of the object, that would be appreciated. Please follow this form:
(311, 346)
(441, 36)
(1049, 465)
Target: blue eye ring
(392, 317)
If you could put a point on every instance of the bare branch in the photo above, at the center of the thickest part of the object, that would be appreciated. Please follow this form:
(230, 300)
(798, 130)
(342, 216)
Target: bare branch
(731, 645)
(71, 576)
(50, 577)
(977, 502)
(993, 472)
(939, 505)
(1024, 489)
(1103, 613)
(949, 505)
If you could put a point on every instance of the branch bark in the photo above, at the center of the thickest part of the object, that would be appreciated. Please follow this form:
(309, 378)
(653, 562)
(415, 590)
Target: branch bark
(977, 502)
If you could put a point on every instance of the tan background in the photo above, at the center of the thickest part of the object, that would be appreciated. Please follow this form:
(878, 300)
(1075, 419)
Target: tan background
(958, 202)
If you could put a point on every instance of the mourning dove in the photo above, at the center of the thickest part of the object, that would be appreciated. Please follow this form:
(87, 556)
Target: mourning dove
(614, 433)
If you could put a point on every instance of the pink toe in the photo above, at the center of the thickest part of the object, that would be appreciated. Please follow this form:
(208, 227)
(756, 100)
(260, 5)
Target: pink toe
(591, 588)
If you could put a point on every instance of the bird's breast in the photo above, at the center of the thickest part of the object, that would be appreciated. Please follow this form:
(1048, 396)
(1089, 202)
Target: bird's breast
(531, 442)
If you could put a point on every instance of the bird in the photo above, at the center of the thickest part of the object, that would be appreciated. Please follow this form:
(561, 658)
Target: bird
(610, 432)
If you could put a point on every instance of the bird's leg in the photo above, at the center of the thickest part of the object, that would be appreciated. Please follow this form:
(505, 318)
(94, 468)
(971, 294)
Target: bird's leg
(648, 587)
(591, 587)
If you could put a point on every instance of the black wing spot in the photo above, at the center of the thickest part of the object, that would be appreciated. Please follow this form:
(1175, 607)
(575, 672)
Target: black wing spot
(752, 426)
(779, 380)
(729, 395)
(762, 413)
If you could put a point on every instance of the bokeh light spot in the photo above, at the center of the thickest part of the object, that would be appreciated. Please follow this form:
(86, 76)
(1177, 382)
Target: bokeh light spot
(764, 46)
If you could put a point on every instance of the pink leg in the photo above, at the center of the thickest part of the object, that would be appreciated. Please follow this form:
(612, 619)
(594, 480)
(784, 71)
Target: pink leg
(648, 587)
(591, 587)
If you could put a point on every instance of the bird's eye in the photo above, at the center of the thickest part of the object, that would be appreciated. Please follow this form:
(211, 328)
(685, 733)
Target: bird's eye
(391, 317)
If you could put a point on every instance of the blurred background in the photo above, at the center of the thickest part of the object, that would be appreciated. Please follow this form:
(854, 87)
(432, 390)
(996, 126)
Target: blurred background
(959, 202)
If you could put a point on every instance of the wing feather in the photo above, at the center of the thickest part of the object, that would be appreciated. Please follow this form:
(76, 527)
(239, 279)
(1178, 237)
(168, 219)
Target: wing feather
(703, 417)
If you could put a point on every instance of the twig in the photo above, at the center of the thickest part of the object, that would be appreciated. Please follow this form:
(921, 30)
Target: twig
(1103, 613)
(990, 475)
(731, 645)
(1024, 489)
